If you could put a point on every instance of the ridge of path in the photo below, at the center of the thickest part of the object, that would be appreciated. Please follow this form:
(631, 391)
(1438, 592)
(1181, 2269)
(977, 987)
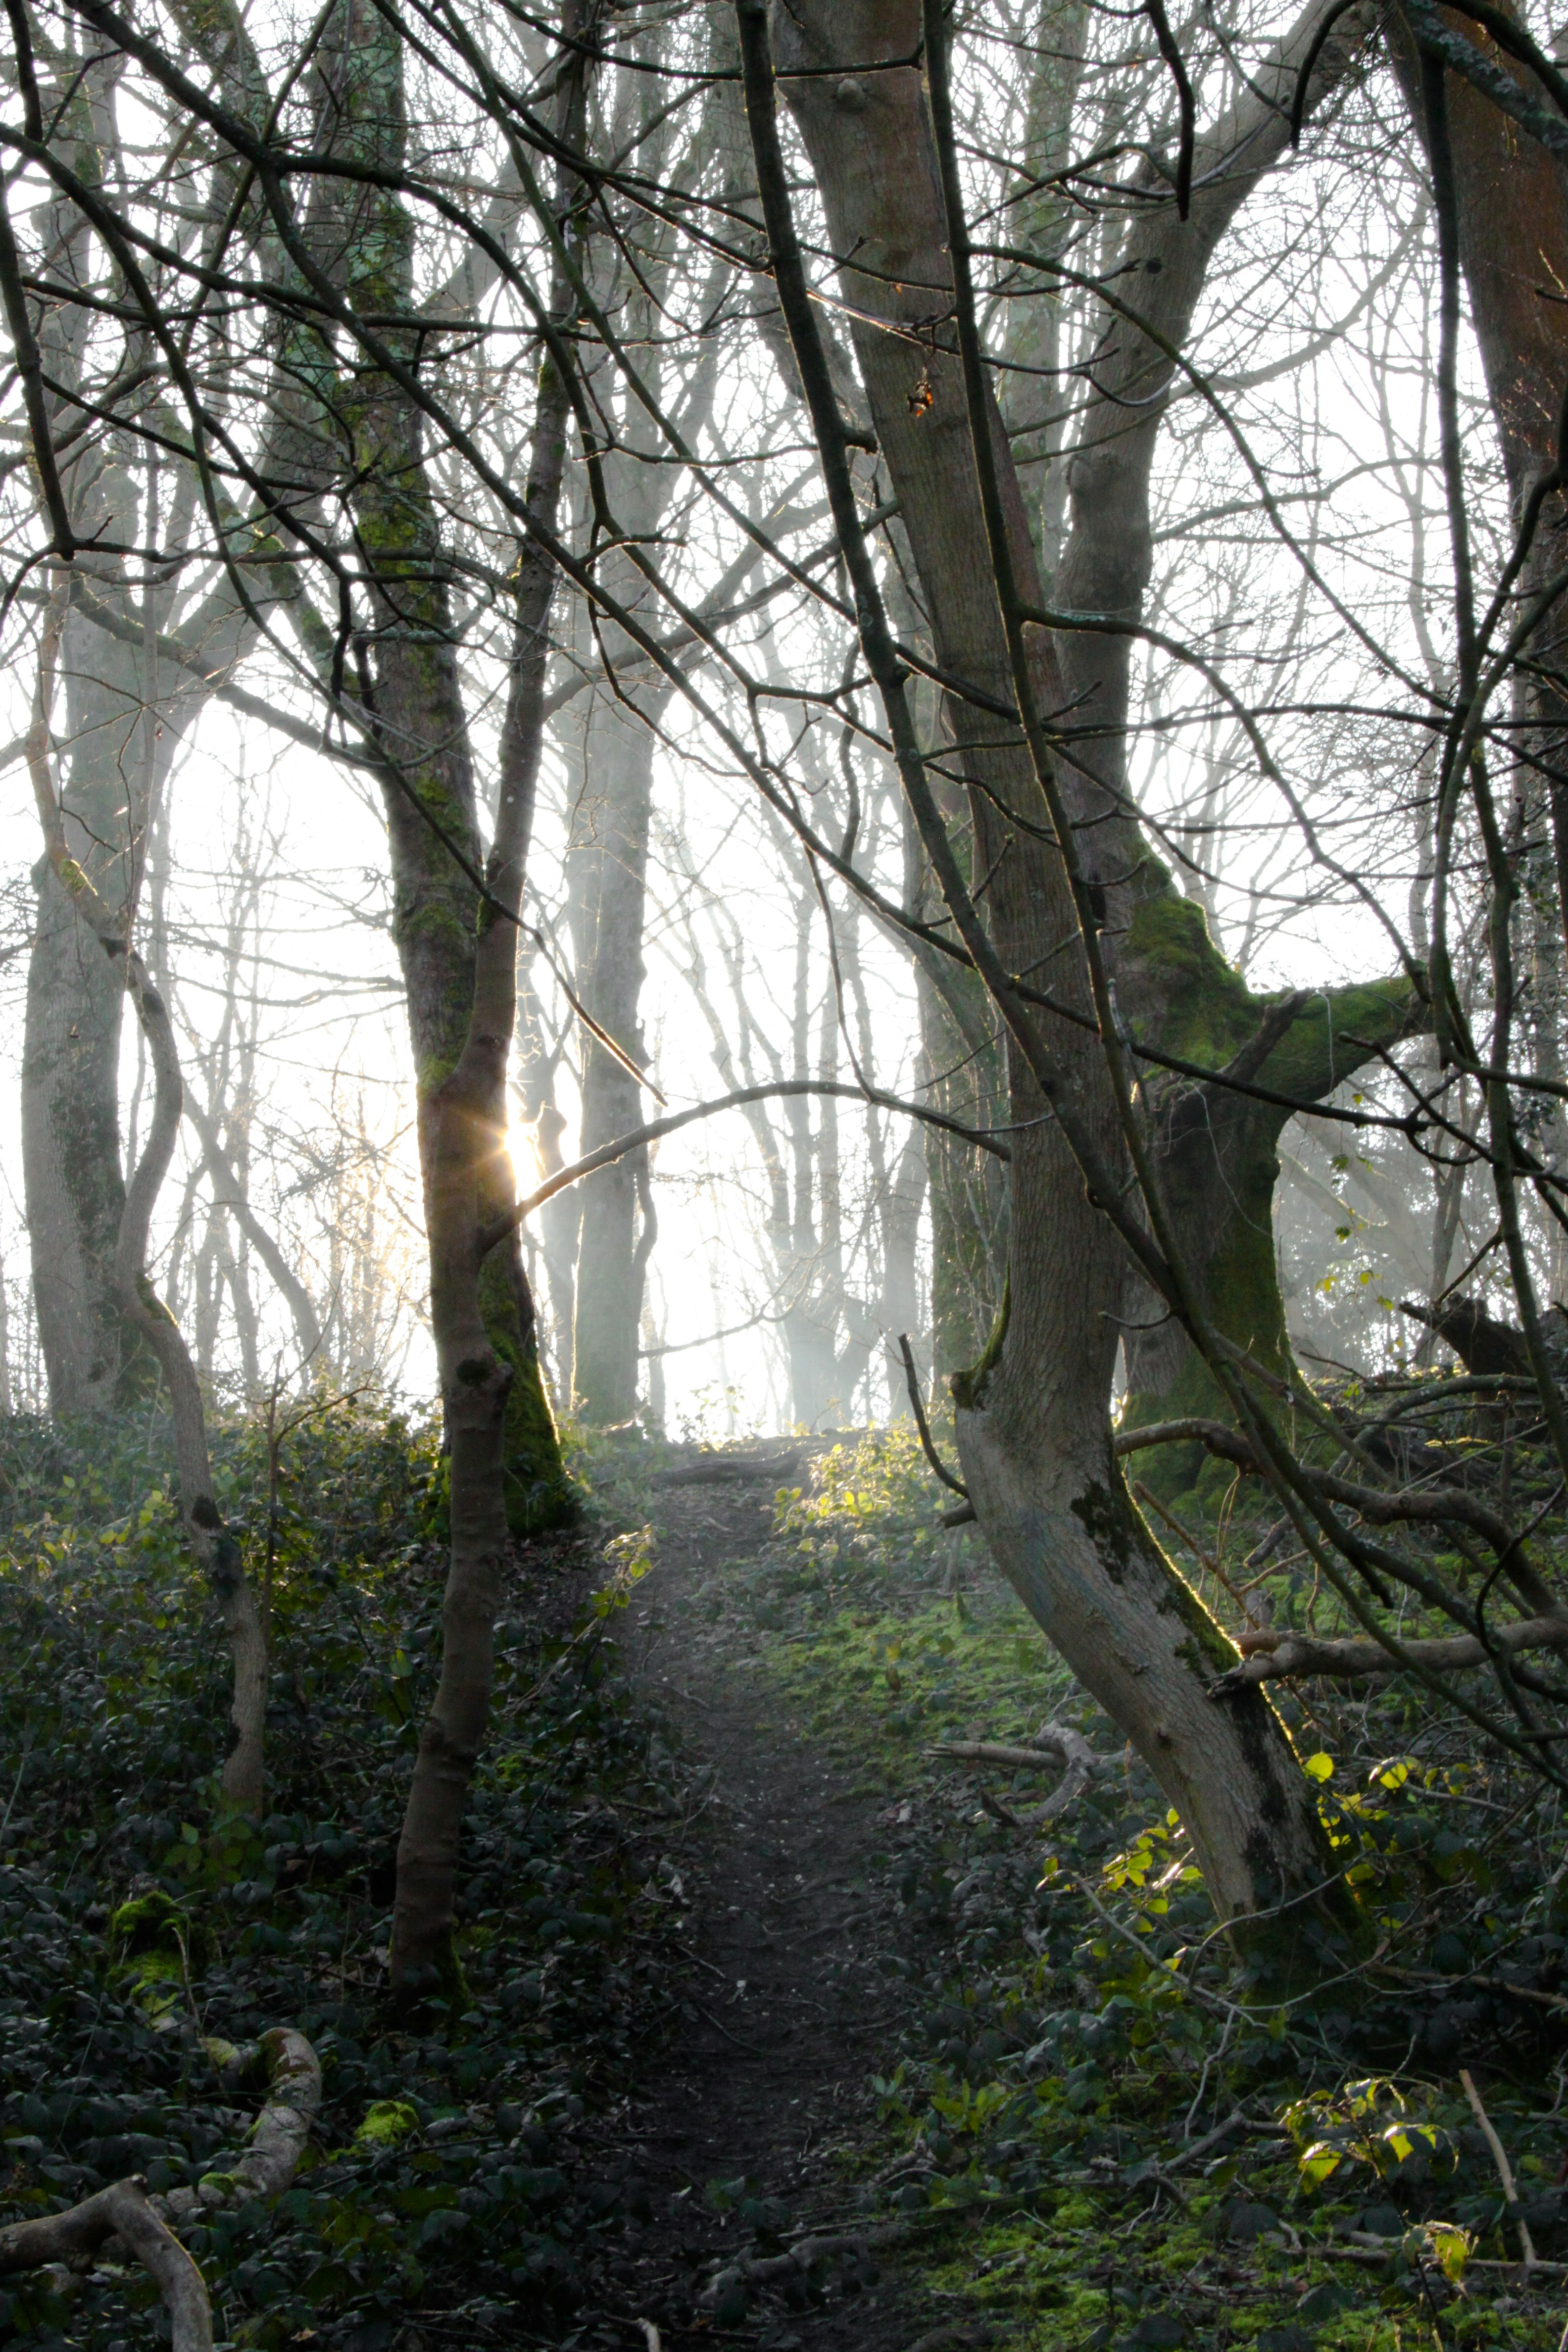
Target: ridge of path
(785, 2010)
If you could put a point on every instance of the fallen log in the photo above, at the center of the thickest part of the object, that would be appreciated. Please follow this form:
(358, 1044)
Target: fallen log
(725, 1470)
(280, 2134)
(122, 2211)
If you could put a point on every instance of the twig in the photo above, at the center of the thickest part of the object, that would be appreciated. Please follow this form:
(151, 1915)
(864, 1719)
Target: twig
(1504, 2170)
(750, 2048)
(1486, 1984)
(911, 1382)
(1239, 2121)
(1145, 1496)
(767, 2270)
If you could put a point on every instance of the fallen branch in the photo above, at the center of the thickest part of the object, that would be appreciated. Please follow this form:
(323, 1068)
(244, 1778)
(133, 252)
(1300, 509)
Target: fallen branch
(278, 2136)
(725, 1470)
(1504, 2170)
(772, 2270)
(1268, 1656)
(1255, 2126)
(1485, 1983)
(1053, 1743)
(122, 2211)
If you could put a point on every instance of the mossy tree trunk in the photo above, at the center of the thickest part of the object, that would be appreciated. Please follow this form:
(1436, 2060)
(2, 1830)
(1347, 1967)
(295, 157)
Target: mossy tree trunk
(1218, 1155)
(1035, 1439)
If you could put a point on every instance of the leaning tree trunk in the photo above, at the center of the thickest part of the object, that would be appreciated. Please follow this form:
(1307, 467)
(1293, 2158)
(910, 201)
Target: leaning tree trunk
(1174, 988)
(1035, 1436)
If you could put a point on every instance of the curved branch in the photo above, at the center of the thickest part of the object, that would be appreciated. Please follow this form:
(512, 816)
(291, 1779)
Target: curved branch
(280, 2134)
(618, 1147)
(122, 2211)
(911, 1382)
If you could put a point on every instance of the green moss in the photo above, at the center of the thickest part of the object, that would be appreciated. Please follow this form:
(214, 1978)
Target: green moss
(1329, 1040)
(968, 1387)
(1209, 1016)
(540, 1493)
(1209, 1012)
(387, 2121)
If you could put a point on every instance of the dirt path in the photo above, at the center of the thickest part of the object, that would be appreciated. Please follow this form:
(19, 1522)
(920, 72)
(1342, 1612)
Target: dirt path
(785, 2009)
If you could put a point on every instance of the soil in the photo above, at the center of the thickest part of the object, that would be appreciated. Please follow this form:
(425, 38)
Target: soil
(763, 2091)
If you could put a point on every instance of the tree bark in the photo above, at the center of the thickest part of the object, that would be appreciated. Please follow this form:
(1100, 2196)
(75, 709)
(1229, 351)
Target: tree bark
(1511, 220)
(214, 1544)
(1032, 1429)
(122, 720)
(474, 1252)
(609, 852)
(410, 654)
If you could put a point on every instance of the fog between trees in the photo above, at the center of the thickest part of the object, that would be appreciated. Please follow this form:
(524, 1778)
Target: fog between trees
(977, 590)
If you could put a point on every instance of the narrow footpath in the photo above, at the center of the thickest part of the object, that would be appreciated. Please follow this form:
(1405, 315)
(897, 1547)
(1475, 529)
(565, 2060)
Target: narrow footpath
(757, 2110)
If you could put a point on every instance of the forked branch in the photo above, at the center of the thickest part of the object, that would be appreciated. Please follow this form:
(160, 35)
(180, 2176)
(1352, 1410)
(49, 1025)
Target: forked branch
(124, 2210)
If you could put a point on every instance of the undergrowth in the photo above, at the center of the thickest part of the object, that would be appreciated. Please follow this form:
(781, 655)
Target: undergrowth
(1079, 2039)
(442, 2180)
(1089, 2127)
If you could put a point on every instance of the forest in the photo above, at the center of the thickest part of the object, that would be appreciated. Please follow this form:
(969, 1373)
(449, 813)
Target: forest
(784, 1252)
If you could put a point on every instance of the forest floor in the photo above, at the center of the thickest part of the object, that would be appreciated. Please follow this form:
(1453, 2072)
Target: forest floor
(782, 2026)
(759, 2108)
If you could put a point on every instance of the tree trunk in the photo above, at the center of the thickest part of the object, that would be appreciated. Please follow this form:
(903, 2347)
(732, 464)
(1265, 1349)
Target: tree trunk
(1219, 1164)
(610, 836)
(107, 927)
(463, 1013)
(72, 1148)
(1511, 217)
(1034, 1431)
(422, 730)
